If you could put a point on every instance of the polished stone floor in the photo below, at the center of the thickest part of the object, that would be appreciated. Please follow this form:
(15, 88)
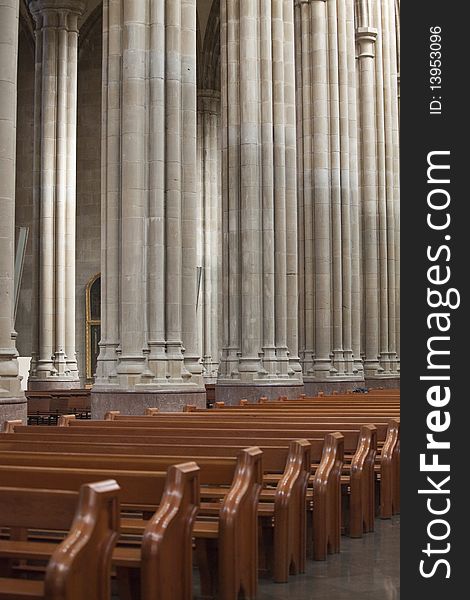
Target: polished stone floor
(366, 569)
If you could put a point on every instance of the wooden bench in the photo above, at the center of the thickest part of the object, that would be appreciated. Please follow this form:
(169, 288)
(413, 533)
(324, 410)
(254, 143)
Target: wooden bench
(80, 566)
(361, 442)
(286, 507)
(141, 490)
(322, 541)
(46, 406)
(388, 459)
(165, 557)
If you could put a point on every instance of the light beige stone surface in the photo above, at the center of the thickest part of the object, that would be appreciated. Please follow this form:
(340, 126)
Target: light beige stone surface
(54, 361)
(10, 390)
(236, 169)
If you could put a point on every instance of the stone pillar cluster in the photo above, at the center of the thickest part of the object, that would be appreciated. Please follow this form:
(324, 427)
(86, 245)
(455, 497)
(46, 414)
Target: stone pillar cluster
(250, 219)
(149, 344)
(376, 39)
(12, 401)
(347, 167)
(260, 354)
(54, 363)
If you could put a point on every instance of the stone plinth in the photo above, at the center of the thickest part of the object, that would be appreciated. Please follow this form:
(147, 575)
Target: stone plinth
(38, 385)
(382, 382)
(232, 394)
(13, 408)
(135, 403)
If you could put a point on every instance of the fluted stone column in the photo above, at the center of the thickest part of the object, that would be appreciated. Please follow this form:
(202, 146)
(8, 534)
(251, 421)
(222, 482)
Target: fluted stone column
(149, 346)
(210, 299)
(12, 401)
(378, 104)
(366, 37)
(260, 354)
(54, 363)
(328, 193)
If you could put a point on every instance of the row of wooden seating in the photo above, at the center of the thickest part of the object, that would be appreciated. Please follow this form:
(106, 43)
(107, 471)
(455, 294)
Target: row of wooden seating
(383, 405)
(145, 445)
(287, 507)
(206, 426)
(76, 535)
(231, 425)
(293, 458)
(46, 407)
(285, 518)
(141, 490)
(298, 419)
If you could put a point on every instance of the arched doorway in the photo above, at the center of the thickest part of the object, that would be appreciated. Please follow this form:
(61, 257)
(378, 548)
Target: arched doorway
(93, 325)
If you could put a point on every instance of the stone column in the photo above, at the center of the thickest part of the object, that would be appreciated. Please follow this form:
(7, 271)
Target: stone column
(149, 347)
(259, 204)
(12, 401)
(328, 193)
(211, 220)
(54, 362)
(394, 21)
(356, 284)
(366, 37)
(380, 175)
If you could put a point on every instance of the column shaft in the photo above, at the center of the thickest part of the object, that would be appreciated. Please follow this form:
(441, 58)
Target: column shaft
(209, 302)
(345, 182)
(366, 38)
(291, 210)
(356, 287)
(321, 197)
(150, 222)
(110, 190)
(54, 360)
(133, 186)
(336, 191)
(71, 188)
(12, 403)
(189, 205)
(259, 162)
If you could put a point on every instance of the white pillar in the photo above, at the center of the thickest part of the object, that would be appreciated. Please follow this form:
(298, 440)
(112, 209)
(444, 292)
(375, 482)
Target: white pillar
(54, 361)
(12, 402)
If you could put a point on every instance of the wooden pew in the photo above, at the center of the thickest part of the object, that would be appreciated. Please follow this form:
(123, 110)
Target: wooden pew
(296, 423)
(286, 506)
(361, 442)
(165, 557)
(142, 490)
(80, 566)
(321, 541)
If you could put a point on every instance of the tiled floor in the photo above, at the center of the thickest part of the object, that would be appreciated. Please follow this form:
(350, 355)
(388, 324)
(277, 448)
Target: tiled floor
(366, 569)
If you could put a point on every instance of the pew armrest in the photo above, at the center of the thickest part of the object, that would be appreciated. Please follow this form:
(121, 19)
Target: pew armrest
(167, 540)
(88, 547)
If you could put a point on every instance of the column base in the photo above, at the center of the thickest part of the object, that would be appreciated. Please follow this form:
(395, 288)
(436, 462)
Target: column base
(135, 403)
(382, 382)
(39, 385)
(13, 408)
(332, 385)
(232, 393)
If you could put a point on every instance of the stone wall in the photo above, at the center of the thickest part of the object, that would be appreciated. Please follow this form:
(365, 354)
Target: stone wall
(88, 176)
